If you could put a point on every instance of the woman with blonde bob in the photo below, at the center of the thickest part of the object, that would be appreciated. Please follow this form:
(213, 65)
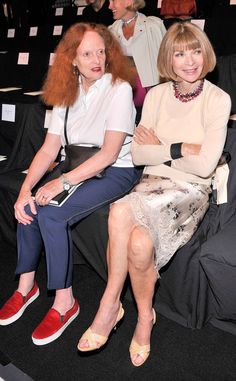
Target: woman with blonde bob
(90, 78)
(179, 140)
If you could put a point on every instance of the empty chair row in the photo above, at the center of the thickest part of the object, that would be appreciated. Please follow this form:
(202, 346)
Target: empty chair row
(32, 38)
(25, 70)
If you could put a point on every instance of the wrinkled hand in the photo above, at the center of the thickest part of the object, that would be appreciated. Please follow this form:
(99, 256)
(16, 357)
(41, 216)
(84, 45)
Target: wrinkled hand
(190, 149)
(144, 135)
(24, 198)
(47, 192)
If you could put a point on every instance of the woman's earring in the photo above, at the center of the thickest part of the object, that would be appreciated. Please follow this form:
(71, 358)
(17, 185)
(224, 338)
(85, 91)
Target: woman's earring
(75, 70)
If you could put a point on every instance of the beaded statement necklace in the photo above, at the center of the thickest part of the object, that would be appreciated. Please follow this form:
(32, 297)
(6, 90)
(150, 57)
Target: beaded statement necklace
(187, 97)
(127, 22)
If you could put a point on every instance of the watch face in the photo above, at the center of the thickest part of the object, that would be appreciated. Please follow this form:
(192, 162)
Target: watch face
(66, 186)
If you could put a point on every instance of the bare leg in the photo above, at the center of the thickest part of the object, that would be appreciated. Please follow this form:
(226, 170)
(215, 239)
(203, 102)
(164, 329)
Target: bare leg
(64, 300)
(26, 282)
(143, 278)
(120, 224)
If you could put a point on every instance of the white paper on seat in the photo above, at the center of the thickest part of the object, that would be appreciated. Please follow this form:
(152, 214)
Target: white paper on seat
(199, 22)
(80, 11)
(59, 11)
(33, 31)
(51, 59)
(57, 30)
(23, 58)
(11, 33)
(8, 112)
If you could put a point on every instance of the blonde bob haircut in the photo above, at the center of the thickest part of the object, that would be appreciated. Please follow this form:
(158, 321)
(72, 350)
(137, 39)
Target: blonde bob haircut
(136, 5)
(183, 36)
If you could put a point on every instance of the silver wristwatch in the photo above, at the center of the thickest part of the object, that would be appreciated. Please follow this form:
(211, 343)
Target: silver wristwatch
(65, 182)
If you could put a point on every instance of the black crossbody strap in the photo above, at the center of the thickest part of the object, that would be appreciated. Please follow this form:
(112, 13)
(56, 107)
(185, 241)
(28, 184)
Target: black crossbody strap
(65, 125)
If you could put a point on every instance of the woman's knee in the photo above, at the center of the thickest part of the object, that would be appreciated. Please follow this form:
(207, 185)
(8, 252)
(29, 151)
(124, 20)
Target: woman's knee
(118, 215)
(140, 251)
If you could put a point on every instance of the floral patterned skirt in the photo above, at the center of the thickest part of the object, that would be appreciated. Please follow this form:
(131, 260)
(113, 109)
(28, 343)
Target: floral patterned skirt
(170, 210)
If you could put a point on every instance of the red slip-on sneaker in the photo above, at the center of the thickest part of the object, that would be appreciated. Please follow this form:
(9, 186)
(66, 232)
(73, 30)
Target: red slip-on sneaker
(53, 325)
(14, 308)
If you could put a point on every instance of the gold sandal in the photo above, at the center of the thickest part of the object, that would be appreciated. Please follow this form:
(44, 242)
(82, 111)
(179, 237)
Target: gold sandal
(141, 350)
(96, 341)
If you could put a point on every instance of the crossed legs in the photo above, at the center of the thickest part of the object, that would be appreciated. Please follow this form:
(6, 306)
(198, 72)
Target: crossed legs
(130, 250)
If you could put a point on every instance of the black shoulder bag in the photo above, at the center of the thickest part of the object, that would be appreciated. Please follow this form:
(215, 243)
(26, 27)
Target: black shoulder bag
(76, 155)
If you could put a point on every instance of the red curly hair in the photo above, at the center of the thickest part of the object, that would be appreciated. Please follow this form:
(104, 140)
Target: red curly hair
(60, 87)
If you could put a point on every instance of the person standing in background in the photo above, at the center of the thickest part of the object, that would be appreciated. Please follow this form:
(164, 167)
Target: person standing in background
(17, 13)
(140, 38)
(175, 11)
(3, 18)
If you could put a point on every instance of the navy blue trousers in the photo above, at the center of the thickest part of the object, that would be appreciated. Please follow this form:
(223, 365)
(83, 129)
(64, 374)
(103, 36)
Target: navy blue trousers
(50, 228)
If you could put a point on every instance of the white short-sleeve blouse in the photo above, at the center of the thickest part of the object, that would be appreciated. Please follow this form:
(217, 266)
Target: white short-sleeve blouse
(105, 107)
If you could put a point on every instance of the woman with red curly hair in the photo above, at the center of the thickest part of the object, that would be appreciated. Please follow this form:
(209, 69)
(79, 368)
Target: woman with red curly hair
(90, 77)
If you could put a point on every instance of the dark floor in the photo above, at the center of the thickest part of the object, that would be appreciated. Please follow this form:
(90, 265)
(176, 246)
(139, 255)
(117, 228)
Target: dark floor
(178, 353)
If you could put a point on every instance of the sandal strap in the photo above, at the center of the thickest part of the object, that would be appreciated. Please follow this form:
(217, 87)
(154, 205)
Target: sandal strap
(93, 339)
(136, 349)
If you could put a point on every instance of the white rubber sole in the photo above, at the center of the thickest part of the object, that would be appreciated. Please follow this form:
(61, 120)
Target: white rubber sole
(55, 336)
(20, 312)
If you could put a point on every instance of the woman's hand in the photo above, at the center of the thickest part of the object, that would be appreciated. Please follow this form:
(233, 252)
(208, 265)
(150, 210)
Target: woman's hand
(47, 192)
(144, 135)
(24, 198)
(190, 149)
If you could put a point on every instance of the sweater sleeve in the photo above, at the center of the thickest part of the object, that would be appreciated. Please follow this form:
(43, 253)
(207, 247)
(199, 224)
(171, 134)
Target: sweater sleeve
(150, 154)
(217, 112)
